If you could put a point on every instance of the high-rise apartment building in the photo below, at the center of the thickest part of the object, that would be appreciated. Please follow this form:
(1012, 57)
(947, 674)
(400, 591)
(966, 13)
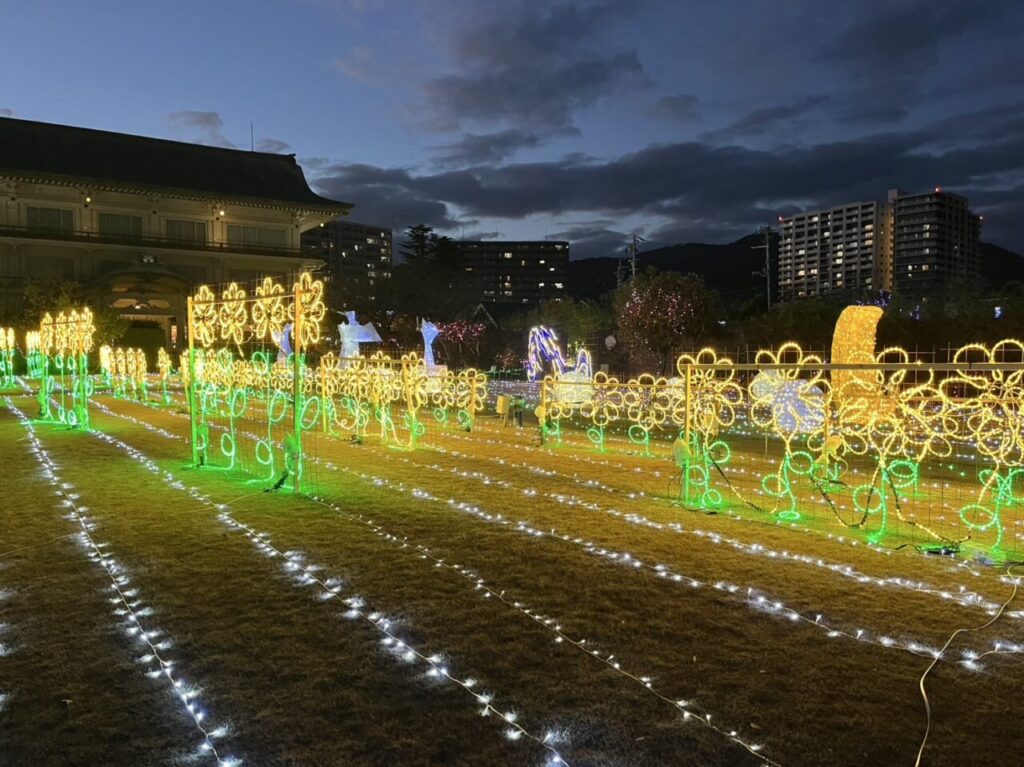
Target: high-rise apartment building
(520, 273)
(828, 251)
(358, 259)
(935, 242)
(913, 244)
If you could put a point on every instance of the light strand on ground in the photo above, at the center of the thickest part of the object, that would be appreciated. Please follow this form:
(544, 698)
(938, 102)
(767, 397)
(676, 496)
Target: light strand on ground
(513, 731)
(548, 623)
(127, 607)
(438, 666)
(688, 710)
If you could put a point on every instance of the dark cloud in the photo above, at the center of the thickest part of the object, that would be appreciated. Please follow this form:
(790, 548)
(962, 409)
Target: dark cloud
(6, 113)
(907, 37)
(200, 127)
(760, 120)
(382, 197)
(679, 108)
(702, 188)
(888, 52)
(531, 68)
(475, 235)
(272, 145)
(488, 148)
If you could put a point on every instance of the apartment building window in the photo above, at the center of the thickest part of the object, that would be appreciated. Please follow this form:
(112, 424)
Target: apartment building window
(57, 219)
(257, 235)
(186, 231)
(120, 225)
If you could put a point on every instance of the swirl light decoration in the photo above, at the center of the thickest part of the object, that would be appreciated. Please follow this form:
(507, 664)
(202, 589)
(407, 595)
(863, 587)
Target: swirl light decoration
(790, 398)
(7, 350)
(989, 407)
(603, 407)
(648, 403)
(704, 398)
(897, 420)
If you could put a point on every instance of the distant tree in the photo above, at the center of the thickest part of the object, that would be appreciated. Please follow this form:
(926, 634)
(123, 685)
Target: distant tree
(578, 323)
(54, 294)
(661, 312)
(418, 245)
(809, 322)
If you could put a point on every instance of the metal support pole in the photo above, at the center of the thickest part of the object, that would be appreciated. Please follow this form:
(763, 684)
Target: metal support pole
(191, 392)
(297, 386)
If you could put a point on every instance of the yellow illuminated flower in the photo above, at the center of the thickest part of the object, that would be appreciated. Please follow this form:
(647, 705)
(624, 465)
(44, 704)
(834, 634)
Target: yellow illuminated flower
(268, 311)
(204, 316)
(233, 314)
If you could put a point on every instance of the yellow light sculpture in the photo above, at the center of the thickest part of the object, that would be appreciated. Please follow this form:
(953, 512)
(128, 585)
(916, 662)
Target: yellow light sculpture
(853, 342)
(310, 297)
(46, 334)
(163, 364)
(268, 311)
(204, 316)
(106, 360)
(233, 315)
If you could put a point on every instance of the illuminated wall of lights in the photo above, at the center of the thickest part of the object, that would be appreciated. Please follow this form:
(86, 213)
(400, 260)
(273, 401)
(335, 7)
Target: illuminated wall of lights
(901, 418)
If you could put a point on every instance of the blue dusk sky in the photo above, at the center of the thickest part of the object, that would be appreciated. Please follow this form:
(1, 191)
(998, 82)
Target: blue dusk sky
(680, 121)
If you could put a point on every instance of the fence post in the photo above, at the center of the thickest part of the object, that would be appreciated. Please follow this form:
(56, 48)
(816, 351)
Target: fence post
(191, 392)
(297, 386)
(689, 405)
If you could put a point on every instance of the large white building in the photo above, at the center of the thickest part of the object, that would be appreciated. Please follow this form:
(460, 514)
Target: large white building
(141, 222)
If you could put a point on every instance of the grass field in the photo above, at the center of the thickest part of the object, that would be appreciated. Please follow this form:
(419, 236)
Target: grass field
(550, 605)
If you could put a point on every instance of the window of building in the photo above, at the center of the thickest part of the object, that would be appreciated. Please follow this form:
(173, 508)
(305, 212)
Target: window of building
(186, 231)
(120, 225)
(257, 235)
(58, 219)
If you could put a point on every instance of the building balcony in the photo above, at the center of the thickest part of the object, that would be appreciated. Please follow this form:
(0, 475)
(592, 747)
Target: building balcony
(151, 241)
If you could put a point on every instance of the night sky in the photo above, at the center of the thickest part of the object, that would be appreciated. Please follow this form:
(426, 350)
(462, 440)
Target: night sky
(680, 121)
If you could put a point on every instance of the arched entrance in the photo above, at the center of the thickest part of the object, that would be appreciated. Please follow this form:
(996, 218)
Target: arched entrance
(148, 296)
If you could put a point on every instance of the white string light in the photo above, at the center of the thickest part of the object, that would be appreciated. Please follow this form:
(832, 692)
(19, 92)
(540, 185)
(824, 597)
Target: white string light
(306, 573)
(438, 665)
(126, 604)
(548, 623)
